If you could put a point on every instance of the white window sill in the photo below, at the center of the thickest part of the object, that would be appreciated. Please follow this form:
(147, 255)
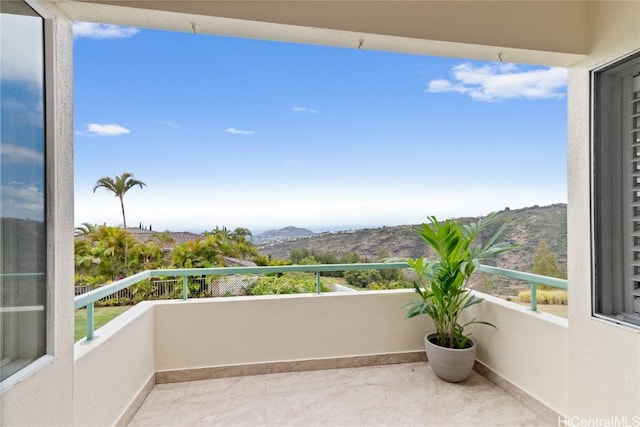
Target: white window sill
(29, 369)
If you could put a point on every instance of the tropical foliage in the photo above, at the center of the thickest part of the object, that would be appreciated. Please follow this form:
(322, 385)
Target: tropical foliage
(119, 187)
(274, 285)
(376, 279)
(442, 283)
(100, 253)
(104, 254)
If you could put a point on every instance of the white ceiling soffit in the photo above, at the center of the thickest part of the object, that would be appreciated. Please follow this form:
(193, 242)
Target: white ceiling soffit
(545, 33)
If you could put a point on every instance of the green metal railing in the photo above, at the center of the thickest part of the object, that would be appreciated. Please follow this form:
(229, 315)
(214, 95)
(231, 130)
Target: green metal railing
(533, 279)
(88, 299)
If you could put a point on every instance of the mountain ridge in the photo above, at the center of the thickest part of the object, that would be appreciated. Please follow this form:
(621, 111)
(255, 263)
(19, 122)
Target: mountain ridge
(525, 227)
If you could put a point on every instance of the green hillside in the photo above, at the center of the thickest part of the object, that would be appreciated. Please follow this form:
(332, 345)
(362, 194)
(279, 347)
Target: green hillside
(525, 227)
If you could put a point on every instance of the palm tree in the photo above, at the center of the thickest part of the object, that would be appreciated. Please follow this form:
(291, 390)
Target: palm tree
(85, 229)
(119, 188)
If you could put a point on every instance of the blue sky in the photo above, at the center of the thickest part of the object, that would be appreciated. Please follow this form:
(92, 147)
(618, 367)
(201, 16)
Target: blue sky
(260, 134)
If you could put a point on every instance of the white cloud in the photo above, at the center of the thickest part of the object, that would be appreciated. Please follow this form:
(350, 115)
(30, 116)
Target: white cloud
(15, 154)
(22, 202)
(239, 132)
(503, 81)
(19, 63)
(95, 129)
(102, 31)
(304, 110)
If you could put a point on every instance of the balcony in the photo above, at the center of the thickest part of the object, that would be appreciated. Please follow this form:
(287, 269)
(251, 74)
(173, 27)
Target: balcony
(321, 359)
(401, 394)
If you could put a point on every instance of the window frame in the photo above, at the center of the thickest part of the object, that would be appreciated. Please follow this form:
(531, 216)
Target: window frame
(50, 233)
(610, 171)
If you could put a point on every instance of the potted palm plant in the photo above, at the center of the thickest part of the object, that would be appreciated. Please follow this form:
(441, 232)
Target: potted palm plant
(443, 292)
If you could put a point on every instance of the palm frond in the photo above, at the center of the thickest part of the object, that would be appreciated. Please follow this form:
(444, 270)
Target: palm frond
(442, 290)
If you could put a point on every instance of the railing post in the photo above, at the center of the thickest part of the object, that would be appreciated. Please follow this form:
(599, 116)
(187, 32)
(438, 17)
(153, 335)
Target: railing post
(534, 296)
(90, 323)
(318, 283)
(185, 287)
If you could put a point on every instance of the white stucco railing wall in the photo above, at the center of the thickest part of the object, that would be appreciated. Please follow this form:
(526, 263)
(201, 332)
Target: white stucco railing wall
(527, 349)
(114, 369)
(248, 330)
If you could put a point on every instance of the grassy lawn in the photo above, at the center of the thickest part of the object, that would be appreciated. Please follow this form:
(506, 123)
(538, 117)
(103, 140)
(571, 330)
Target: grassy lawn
(101, 316)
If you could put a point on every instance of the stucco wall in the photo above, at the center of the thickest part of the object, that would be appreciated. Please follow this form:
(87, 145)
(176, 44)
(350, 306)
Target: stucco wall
(244, 330)
(604, 359)
(111, 371)
(43, 396)
(528, 349)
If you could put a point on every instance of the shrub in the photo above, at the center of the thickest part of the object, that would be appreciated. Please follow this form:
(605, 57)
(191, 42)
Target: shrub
(263, 260)
(392, 275)
(545, 297)
(283, 285)
(114, 302)
(393, 284)
(362, 278)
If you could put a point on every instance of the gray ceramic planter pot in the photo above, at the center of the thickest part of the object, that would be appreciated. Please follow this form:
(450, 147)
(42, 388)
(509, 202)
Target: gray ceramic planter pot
(450, 364)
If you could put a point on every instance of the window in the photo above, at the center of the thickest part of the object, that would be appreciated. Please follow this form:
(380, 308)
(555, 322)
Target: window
(22, 188)
(616, 179)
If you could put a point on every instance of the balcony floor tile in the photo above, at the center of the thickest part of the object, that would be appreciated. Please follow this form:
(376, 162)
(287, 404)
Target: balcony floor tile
(390, 395)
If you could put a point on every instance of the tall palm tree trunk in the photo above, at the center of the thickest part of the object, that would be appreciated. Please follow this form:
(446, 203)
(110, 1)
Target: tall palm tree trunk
(126, 245)
(124, 219)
